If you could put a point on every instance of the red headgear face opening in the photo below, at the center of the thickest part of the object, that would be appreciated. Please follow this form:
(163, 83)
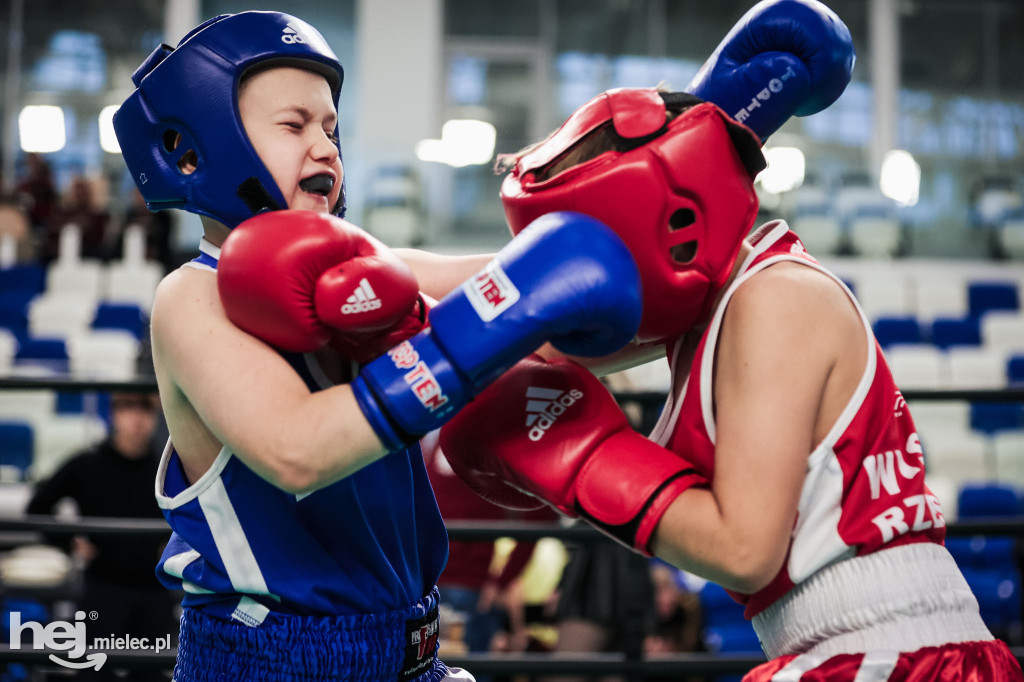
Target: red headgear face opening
(682, 202)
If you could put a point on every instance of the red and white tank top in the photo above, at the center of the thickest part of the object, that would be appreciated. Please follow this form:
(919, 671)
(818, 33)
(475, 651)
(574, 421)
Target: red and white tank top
(864, 488)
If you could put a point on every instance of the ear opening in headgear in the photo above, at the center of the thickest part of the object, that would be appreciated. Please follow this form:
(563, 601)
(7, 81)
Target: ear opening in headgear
(187, 161)
(171, 139)
(684, 253)
(684, 217)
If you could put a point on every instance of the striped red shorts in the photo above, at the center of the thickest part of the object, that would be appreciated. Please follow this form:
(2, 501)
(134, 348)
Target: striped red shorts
(964, 662)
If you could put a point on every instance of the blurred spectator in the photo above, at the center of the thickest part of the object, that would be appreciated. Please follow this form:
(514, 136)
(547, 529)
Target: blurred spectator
(38, 190)
(605, 596)
(157, 228)
(17, 241)
(82, 208)
(677, 614)
(491, 601)
(115, 479)
(605, 603)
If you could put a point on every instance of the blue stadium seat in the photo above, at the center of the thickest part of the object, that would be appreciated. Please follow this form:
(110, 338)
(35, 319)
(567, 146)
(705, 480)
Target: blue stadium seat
(990, 563)
(732, 639)
(995, 417)
(988, 499)
(725, 628)
(999, 597)
(80, 402)
(70, 402)
(124, 316)
(14, 314)
(718, 608)
(985, 296)
(891, 331)
(1015, 371)
(49, 352)
(29, 609)
(981, 552)
(24, 280)
(949, 331)
(17, 441)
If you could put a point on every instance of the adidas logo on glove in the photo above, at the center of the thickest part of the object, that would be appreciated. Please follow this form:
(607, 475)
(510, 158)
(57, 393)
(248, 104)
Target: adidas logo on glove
(544, 406)
(363, 300)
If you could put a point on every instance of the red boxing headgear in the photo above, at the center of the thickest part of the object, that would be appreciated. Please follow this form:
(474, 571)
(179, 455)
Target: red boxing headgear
(682, 200)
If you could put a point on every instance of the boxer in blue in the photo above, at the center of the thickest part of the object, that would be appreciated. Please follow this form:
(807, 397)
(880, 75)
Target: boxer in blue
(306, 536)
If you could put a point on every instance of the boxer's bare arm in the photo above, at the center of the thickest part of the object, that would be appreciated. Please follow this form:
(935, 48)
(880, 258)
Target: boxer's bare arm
(629, 356)
(245, 396)
(438, 274)
(791, 351)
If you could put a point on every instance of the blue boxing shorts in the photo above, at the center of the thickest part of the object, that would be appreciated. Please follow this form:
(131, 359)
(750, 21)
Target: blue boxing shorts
(394, 646)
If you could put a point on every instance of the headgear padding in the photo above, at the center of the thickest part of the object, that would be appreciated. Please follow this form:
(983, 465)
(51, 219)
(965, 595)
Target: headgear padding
(682, 198)
(192, 91)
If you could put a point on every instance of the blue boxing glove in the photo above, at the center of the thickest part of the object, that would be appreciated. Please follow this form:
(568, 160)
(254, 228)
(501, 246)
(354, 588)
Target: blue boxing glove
(567, 278)
(783, 58)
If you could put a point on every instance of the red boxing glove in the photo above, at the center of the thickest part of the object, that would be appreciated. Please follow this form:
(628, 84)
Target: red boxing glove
(300, 279)
(552, 430)
(363, 345)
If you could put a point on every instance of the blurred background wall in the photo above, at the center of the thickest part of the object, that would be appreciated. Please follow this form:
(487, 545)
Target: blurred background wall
(435, 89)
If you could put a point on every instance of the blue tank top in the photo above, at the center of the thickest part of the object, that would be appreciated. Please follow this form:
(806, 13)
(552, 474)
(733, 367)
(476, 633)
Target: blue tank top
(243, 548)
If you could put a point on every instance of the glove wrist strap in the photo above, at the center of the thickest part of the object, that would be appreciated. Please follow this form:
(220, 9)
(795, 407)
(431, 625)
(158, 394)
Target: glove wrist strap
(415, 385)
(627, 485)
(391, 435)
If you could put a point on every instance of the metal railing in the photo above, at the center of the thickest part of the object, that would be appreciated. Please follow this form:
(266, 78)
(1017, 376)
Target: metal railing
(632, 665)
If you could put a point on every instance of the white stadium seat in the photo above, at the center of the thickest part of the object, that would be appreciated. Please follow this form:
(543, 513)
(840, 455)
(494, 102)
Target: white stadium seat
(957, 455)
(939, 295)
(918, 366)
(107, 354)
(976, 368)
(60, 436)
(80, 278)
(1008, 451)
(133, 282)
(55, 315)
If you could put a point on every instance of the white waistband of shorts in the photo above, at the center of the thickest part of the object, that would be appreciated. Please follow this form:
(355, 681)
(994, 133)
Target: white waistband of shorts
(903, 599)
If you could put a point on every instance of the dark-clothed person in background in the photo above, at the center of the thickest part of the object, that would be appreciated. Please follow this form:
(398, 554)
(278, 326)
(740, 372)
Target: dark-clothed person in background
(115, 479)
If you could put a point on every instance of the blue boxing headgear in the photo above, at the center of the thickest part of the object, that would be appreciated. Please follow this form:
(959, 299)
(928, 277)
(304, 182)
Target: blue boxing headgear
(192, 91)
